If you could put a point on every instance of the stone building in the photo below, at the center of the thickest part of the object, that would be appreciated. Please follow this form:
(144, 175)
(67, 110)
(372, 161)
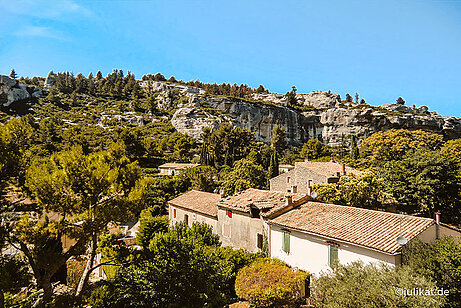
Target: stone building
(175, 168)
(195, 206)
(242, 217)
(308, 173)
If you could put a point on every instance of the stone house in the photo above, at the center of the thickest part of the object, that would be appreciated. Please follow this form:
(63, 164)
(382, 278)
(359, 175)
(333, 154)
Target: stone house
(175, 168)
(285, 168)
(239, 220)
(195, 206)
(308, 173)
(242, 218)
(315, 235)
(301, 232)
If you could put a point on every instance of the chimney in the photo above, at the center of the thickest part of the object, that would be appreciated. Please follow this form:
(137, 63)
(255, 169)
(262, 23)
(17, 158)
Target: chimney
(309, 187)
(288, 200)
(437, 225)
(344, 169)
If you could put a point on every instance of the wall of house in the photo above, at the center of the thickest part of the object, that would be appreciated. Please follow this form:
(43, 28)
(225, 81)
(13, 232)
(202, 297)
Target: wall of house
(168, 171)
(310, 252)
(299, 177)
(193, 217)
(430, 233)
(240, 230)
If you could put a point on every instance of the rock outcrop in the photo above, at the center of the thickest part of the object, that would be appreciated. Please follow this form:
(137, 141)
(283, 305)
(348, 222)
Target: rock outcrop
(11, 90)
(329, 125)
(50, 80)
(314, 99)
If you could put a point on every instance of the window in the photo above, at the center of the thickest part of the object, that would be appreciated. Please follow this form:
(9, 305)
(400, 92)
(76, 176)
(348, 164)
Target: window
(229, 213)
(174, 213)
(295, 189)
(332, 255)
(288, 179)
(286, 241)
(260, 241)
(226, 230)
(186, 220)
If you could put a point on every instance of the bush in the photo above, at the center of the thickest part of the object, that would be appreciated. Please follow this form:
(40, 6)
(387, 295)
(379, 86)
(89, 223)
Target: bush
(439, 261)
(360, 285)
(270, 282)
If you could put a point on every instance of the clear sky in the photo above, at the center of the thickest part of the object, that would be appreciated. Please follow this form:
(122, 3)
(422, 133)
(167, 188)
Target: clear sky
(380, 49)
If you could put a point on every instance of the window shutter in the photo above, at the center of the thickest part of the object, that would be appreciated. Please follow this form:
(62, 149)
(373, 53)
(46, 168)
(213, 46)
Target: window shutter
(260, 241)
(332, 255)
(286, 242)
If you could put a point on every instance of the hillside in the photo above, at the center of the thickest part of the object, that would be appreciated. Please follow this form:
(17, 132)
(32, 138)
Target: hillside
(189, 107)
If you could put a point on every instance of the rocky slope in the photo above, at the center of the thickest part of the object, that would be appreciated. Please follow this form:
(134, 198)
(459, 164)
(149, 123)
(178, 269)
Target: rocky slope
(12, 91)
(326, 118)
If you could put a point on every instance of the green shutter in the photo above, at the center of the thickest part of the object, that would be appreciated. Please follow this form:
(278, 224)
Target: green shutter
(332, 255)
(286, 241)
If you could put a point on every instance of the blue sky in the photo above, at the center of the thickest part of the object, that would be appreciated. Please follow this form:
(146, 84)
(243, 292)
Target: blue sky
(380, 49)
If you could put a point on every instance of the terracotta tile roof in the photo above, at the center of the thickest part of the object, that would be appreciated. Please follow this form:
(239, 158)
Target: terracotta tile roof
(198, 201)
(178, 166)
(267, 201)
(373, 229)
(326, 168)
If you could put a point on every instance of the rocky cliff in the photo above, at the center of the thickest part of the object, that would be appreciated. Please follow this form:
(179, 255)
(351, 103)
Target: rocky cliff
(12, 91)
(328, 124)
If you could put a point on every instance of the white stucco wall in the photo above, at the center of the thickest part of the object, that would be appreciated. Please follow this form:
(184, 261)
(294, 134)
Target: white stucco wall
(193, 217)
(310, 253)
(430, 233)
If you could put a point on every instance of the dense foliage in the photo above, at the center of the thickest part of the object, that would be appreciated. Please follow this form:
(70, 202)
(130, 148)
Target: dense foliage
(360, 285)
(183, 267)
(441, 262)
(270, 283)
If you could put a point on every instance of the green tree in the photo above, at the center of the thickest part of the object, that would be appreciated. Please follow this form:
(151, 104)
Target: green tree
(150, 224)
(349, 98)
(360, 285)
(228, 144)
(363, 190)
(394, 144)
(88, 192)
(314, 149)
(400, 101)
(270, 283)
(425, 181)
(201, 178)
(274, 166)
(439, 261)
(184, 267)
(245, 174)
(278, 138)
(14, 274)
(13, 74)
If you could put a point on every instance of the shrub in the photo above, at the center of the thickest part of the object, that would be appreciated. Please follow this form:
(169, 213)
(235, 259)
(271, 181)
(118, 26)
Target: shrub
(270, 282)
(360, 285)
(440, 261)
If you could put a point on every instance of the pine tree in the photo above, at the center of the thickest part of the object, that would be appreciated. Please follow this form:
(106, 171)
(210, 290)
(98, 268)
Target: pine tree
(354, 148)
(99, 75)
(274, 165)
(13, 74)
